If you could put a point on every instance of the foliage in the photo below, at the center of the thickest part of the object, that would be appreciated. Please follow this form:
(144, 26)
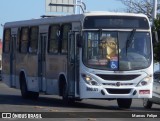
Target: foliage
(140, 6)
(157, 52)
(156, 44)
(157, 24)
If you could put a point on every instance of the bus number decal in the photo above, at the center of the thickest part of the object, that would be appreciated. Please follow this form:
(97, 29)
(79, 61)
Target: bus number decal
(91, 89)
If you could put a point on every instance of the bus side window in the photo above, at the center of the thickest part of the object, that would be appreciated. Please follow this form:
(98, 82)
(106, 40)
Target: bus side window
(65, 30)
(33, 43)
(53, 41)
(24, 40)
(7, 38)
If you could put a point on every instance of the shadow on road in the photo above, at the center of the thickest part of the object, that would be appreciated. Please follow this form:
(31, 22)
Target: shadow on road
(49, 101)
(57, 102)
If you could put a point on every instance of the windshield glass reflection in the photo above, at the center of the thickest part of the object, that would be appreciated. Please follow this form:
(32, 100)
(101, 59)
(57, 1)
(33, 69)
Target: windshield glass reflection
(108, 50)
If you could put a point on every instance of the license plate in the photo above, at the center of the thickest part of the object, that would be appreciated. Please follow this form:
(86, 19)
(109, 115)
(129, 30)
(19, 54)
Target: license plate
(144, 92)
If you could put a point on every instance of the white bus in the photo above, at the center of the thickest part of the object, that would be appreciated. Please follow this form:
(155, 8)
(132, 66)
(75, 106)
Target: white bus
(95, 55)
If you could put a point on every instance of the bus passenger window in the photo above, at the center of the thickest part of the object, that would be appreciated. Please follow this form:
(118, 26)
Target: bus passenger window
(65, 31)
(24, 40)
(33, 44)
(53, 39)
(7, 38)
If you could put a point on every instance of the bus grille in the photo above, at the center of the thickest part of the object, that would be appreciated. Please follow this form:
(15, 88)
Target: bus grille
(117, 77)
(118, 91)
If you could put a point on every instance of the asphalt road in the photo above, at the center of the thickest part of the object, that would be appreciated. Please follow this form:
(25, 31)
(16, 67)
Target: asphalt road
(11, 101)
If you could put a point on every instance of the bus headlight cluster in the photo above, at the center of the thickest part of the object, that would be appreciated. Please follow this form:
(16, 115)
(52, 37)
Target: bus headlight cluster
(145, 81)
(89, 80)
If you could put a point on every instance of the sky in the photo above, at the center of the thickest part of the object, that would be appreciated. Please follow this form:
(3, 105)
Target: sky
(16, 10)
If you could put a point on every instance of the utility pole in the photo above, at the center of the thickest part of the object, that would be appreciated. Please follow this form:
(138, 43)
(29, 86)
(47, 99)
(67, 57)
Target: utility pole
(154, 16)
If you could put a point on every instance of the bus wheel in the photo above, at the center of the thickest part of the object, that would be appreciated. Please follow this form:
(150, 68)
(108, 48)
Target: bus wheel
(65, 97)
(124, 103)
(79, 100)
(33, 95)
(147, 104)
(24, 90)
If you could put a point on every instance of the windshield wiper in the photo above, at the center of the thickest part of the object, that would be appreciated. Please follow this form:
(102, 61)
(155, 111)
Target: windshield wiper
(130, 40)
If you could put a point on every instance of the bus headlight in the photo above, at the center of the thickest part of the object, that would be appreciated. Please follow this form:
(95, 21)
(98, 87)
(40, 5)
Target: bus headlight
(89, 80)
(145, 81)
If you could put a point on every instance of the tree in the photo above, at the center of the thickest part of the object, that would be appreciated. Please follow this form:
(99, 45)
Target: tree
(140, 6)
(156, 44)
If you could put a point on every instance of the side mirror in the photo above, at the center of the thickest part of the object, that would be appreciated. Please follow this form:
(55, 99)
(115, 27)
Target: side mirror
(79, 40)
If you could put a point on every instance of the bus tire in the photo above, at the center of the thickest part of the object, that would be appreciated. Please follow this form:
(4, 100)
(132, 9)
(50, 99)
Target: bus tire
(124, 103)
(147, 104)
(24, 90)
(79, 100)
(33, 95)
(65, 98)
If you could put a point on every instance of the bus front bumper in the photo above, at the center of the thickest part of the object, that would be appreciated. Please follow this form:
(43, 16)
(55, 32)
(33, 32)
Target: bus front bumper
(89, 91)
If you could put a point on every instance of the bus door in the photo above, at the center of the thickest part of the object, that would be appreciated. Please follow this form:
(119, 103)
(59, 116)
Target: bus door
(13, 60)
(42, 62)
(72, 68)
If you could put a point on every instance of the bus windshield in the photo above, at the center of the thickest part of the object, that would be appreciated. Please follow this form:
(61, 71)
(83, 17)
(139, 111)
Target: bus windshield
(109, 50)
